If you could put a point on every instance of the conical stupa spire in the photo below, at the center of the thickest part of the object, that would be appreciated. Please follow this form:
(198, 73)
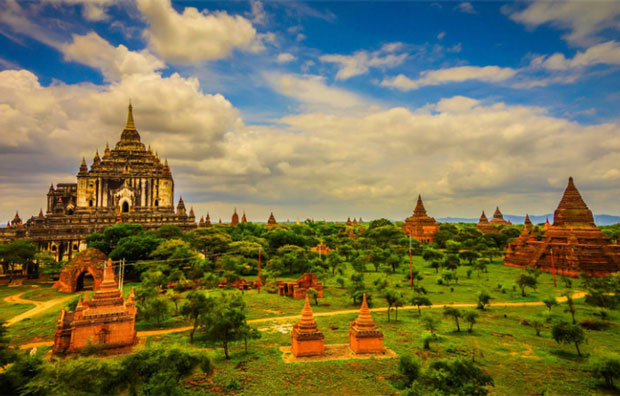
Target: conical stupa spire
(483, 218)
(130, 124)
(108, 276)
(364, 320)
(307, 323)
(419, 210)
(498, 213)
(527, 220)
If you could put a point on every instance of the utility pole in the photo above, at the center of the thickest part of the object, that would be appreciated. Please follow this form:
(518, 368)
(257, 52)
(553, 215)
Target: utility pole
(258, 285)
(410, 263)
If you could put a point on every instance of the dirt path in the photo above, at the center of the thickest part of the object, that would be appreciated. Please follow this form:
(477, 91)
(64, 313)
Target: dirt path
(40, 307)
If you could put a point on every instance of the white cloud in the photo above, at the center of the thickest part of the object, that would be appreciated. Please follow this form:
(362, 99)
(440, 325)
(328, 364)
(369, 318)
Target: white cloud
(92, 10)
(441, 35)
(113, 62)
(195, 36)
(285, 58)
(584, 19)
(466, 7)
(258, 14)
(361, 61)
(312, 90)
(452, 74)
(604, 53)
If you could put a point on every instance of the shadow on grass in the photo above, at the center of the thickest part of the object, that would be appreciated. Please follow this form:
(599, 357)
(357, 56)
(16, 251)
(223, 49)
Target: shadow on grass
(569, 355)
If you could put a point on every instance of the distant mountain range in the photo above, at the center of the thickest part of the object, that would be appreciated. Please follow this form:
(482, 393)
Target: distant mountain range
(603, 219)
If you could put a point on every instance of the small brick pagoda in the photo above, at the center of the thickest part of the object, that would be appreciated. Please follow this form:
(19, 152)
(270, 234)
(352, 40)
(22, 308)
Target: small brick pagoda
(572, 245)
(307, 340)
(235, 218)
(484, 226)
(271, 222)
(420, 226)
(298, 288)
(364, 337)
(107, 321)
(498, 218)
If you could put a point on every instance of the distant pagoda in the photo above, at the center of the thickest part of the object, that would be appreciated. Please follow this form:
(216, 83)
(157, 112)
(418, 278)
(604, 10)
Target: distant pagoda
(420, 226)
(498, 218)
(271, 222)
(572, 245)
(484, 226)
(235, 218)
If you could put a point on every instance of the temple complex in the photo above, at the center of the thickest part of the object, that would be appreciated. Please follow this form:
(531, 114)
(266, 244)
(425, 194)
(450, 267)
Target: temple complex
(128, 184)
(364, 337)
(571, 246)
(297, 289)
(498, 218)
(307, 340)
(419, 225)
(107, 321)
(484, 226)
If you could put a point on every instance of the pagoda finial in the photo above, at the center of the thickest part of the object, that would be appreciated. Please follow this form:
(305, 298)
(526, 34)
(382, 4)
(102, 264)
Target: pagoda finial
(130, 124)
(364, 320)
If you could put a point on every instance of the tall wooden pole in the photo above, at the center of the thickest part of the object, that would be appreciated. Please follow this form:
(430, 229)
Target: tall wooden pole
(258, 270)
(410, 264)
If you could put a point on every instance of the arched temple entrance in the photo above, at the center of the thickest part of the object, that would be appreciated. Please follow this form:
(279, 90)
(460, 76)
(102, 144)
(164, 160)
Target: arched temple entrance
(83, 272)
(125, 207)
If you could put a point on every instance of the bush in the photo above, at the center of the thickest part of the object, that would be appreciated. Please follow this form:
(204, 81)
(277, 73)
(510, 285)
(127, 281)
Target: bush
(608, 368)
(409, 367)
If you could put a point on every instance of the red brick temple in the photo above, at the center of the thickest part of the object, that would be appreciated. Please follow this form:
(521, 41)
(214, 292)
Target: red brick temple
(498, 218)
(107, 321)
(87, 262)
(364, 337)
(307, 340)
(297, 289)
(572, 245)
(484, 226)
(321, 248)
(235, 218)
(419, 225)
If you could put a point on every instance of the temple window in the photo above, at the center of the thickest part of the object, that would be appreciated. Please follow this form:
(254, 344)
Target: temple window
(157, 202)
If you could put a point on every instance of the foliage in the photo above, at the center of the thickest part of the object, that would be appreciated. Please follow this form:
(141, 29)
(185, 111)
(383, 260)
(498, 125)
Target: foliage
(470, 317)
(454, 313)
(196, 309)
(455, 378)
(409, 367)
(226, 321)
(20, 252)
(483, 299)
(524, 281)
(394, 300)
(608, 368)
(421, 301)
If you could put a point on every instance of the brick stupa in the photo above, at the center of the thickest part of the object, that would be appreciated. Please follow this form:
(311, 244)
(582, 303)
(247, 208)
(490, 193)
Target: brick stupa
(235, 218)
(271, 222)
(420, 226)
(498, 218)
(307, 340)
(107, 321)
(574, 241)
(364, 337)
(484, 226)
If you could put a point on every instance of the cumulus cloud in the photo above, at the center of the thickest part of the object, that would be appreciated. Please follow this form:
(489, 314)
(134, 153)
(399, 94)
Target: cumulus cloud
(113, 62)
(584, 19)
(604, 53)
(466, 7)
(92, 10)
(449, 75)
(195, 36)
(285, 57)
(361, 61)
(312, 90)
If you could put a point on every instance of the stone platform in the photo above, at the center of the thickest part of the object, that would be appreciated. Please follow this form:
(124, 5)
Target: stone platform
(335, 352)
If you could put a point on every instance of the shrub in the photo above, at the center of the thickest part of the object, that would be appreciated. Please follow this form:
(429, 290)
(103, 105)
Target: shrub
(409, 367)
(608, 368)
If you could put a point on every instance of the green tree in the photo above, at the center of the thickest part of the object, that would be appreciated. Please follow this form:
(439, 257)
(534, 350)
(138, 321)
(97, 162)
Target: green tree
(419, 301)
(537, 325)
(357, 287)
(470, 256)
(483, 299)
(570, 306)
(608, 368)
(196, 309)
(226, 322)
(48, 266)
(157, 308)
(431, 323)
(175, 298)
(21, 252)
(459, 378)
(107, 241)
(524, 281)
(454, 313)
(394, 300)
(470, 317)
(314, 295)
(335, 261)
(170, 231)
(566, 333)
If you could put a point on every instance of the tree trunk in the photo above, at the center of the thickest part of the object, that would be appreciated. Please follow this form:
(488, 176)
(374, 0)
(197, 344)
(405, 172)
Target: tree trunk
(419, 310)
(388, 312)
(245, 341)
(471, 327)
(225, 345)
(572, 313)
(578, 351)
(397, 314)
(191, 333)
(523, 291)
(458, 328)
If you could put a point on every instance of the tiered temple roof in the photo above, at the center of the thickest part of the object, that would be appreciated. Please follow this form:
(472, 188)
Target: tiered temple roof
(572, 245)
(498, 218)
(271, 221)
(421, 226)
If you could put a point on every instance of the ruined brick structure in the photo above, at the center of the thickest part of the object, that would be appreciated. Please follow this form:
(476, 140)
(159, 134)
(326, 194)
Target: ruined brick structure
(572, 245)
(90, 261)
(107, 321)
(298, 288)
(419, 225)
(128, 184)
(364, 337)
(307, 340)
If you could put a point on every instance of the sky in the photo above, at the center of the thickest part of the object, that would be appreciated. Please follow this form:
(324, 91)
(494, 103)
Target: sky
(322, 110)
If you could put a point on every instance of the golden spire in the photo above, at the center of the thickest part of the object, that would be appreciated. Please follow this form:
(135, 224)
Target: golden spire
(130, 124)
(364, 320)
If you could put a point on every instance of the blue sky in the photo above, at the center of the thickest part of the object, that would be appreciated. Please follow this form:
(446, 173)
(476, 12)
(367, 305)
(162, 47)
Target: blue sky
(320, 109)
